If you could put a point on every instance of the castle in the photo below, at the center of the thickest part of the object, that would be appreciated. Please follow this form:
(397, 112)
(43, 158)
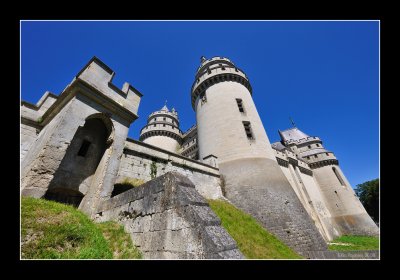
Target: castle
(74, 149)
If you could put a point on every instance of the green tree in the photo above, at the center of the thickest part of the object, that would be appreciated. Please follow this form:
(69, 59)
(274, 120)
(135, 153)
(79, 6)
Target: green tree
(368, 192)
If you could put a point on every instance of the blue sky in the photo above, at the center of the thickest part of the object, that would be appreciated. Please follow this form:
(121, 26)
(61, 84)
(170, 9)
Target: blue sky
(324, 74)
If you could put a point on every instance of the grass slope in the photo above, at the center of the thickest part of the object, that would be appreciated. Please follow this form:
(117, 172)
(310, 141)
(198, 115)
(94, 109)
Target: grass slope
(119, 241)
(252, 239)
(353, 242)
(51, 230)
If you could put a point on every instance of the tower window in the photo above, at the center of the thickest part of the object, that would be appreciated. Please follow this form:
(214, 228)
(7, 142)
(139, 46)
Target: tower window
(208, 71)
(317, 145)
(316, 156)
(154, 125)
(155, 119)
(163, 119)
(327, 154)
(163, 125)
(240, 105)
(84, 148)
(248, 130)
(309, 146)
(338, 176)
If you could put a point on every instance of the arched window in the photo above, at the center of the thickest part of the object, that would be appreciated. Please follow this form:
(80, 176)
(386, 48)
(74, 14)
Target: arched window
(338, 176)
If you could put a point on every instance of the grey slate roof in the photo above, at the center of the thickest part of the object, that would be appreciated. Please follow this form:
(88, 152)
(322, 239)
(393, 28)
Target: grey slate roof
(292, 134)
(278, 146)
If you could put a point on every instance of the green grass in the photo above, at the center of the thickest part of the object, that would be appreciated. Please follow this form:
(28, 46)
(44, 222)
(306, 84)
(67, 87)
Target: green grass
(252, 239)
(353, 242)
(119, 241)
(51, 230)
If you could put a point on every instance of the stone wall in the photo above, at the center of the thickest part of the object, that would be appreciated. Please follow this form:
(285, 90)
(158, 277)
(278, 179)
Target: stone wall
(138, 159)
(167, 218)
(259, 187)
(28, 137)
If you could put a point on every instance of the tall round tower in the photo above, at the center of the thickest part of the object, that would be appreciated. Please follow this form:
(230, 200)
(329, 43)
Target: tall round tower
(162, 130)
(228, 124)
(230, 129)
(348, 214)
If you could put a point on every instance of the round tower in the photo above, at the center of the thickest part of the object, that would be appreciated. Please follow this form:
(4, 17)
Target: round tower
(162, 130)
(348, 214)
(228, 124)
(230, 129)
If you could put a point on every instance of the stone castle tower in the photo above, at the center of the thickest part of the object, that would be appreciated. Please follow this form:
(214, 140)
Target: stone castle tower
(162, 130)
(229, 128)
(348, 215)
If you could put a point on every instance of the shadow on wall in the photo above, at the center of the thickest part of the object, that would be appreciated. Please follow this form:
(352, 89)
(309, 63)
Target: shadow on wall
(73, 178)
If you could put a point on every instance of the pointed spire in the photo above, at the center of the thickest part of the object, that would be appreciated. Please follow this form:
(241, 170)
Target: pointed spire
(291, 120)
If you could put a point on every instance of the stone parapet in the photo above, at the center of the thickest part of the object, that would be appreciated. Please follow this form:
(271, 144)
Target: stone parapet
(168, 219)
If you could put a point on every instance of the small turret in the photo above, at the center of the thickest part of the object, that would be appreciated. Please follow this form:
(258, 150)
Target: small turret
(162, 130)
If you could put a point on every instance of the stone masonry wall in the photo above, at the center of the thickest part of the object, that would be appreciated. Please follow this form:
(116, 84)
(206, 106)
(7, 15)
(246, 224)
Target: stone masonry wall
(138, 158)
(28, 137)
(167, 218)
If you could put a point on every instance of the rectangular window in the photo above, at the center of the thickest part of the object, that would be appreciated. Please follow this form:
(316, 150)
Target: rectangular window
(163, 119)
(316, 156)
(240, 105)
(84, 148)
(247, 129)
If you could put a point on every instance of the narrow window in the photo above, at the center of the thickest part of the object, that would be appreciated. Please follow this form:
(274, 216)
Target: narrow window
(338, 176)
(84, 148)
(240, 105)
(317, 145)
(154, 125)
(163, 119)
(308, 157)
(208, 71)
(327, 154)
(155, 119)
(309, 146)
(163, 125)
(316, 156)
(247, 129)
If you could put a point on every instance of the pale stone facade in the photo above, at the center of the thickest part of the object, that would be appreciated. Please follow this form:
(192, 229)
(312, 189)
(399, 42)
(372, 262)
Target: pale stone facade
(74, 149)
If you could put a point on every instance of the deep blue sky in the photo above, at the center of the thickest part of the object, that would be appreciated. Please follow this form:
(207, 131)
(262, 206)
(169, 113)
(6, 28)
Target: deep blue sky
(325, 75)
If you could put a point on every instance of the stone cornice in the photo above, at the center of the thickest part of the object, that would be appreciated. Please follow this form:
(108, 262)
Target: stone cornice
(305, 171)
(169, 153)
(198, 90)
(151, 125)
(158, 132)
(322, 163)
(282, 162)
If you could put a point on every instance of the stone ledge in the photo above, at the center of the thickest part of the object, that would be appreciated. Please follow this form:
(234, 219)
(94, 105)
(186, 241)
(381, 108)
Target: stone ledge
(167, 218)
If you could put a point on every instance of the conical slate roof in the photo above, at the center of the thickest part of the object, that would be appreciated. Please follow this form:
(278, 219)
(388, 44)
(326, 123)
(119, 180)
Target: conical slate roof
(165, 108)
(292, 134)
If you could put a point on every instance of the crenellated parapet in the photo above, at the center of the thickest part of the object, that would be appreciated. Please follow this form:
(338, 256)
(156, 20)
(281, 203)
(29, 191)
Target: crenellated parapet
(216, 70)
(162, 130)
